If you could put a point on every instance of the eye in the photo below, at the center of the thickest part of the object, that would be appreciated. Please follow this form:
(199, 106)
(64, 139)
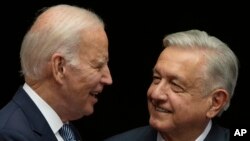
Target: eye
(99, 63)
(156, 79)
(99, 67)
(177, 88)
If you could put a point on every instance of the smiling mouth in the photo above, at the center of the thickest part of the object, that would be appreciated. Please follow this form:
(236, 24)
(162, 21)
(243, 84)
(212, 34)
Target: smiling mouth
(159, 109)
(94, 94)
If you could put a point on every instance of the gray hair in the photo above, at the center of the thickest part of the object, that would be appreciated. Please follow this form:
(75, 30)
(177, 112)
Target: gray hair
(57, 29)
(222, 63)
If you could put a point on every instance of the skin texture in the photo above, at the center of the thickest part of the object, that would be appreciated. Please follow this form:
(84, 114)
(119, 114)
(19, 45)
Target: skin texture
(178, 108)
(64, 60)
(70, 91)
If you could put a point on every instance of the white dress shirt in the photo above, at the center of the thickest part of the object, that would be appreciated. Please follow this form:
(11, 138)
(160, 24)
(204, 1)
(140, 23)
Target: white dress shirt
(200, 138)
(49, 114)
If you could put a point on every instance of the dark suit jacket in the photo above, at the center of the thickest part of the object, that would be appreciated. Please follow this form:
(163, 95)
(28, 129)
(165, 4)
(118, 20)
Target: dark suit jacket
(147, 133)
(21, 120)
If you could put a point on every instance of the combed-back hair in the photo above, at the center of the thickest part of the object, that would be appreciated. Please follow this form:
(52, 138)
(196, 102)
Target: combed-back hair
(57, 29)
(222, 64)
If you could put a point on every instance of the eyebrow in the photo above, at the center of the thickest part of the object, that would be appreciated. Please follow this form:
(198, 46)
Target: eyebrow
(155, 71)
(172, 76)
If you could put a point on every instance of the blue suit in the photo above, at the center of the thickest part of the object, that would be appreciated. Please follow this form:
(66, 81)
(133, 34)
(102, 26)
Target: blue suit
(147, 133)
(21, 120)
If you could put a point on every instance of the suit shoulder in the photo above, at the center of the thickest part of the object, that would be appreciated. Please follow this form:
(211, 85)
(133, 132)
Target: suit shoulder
(11, 116)
(10, 135)
(145, 133)
(218, 133)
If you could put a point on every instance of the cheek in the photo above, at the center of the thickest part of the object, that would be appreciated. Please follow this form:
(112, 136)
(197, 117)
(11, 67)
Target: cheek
(188, 109)
(91, 75)
(79, 84)
(86, 79)
(92, 79)
(180, 104)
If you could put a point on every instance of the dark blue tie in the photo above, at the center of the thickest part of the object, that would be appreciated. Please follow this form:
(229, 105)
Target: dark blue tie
(67, 133)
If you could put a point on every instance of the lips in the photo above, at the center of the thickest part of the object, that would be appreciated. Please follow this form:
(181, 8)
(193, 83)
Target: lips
(94, 94)
(159, 109)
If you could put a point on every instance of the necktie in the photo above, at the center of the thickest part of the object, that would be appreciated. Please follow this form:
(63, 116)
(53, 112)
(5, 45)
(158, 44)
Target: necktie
(67, 133)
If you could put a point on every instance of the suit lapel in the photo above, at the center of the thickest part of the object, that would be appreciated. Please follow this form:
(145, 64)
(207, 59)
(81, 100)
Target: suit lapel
(36, 120)
(218, 133)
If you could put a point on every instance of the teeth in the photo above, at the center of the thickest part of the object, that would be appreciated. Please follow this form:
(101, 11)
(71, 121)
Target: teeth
(94, 94)
(161, 110)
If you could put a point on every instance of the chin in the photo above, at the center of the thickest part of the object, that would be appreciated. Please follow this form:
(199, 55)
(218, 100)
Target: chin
(153, 122)
(156, 124)
(88, 112)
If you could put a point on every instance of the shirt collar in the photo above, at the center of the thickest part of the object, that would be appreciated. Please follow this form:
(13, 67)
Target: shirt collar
(49, 114)
(205, 132)
(200, 138)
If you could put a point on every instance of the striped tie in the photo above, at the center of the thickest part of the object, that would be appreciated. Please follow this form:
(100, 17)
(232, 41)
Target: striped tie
(67, 133)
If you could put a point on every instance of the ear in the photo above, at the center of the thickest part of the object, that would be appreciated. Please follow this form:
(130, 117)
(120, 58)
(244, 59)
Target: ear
(219, 99)
(58, 66)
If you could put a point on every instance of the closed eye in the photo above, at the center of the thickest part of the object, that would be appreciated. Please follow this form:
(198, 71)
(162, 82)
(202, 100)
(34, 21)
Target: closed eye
(177, 88)
(156, 79)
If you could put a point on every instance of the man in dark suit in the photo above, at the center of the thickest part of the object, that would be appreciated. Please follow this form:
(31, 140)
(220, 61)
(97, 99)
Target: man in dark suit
(65, 67)
(148, 133)
(193, 81)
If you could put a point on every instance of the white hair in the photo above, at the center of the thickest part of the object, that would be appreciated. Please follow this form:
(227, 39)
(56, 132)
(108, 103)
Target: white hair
(57, 29)
(222, 63)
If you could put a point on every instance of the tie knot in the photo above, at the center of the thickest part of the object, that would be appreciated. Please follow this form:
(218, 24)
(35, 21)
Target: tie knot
(67, 133)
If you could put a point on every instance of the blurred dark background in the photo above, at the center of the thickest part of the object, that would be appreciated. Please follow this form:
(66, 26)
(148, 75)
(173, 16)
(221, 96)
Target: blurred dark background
(135, 31)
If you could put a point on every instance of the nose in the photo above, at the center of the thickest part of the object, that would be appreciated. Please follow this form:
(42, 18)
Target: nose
(157, 92)
(106, 78)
